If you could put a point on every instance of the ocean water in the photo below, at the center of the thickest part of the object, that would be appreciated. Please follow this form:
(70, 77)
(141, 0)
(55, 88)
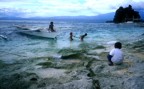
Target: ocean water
(19, 46)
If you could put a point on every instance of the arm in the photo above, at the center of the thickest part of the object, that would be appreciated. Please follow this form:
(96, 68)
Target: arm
(110, 55)
(112, 52)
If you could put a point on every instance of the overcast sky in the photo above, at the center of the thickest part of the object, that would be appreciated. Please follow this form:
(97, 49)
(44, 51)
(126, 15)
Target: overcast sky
(49, 8)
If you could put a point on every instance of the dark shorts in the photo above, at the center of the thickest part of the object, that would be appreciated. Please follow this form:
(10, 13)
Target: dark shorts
(109, 58)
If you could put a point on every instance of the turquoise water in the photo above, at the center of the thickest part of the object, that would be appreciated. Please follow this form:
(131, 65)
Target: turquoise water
(19, 46)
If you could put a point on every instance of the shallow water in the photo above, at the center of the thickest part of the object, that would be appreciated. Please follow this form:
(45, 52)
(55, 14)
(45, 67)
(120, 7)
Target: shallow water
(19, 46)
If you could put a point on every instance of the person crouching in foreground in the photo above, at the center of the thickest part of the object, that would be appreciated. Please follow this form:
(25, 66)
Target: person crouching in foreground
(116, 55)
(83, 36)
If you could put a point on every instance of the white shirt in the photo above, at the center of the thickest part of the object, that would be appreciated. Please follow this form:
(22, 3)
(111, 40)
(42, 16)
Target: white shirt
(117, 55)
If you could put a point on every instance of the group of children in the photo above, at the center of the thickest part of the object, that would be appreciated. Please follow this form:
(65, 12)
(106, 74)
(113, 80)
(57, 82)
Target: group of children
(51, 29)
(81, 37)
(115, 56)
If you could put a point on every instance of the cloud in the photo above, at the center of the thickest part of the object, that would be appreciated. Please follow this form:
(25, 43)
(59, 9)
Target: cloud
(29, 8)
(138, 5)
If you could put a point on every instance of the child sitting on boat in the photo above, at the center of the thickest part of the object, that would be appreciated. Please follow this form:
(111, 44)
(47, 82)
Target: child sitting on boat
(51, 27)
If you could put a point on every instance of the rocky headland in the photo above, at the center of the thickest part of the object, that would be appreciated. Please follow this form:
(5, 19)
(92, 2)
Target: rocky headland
(126, 14)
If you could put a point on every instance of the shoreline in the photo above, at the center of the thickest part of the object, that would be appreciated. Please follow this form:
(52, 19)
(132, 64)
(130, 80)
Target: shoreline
(78, 69)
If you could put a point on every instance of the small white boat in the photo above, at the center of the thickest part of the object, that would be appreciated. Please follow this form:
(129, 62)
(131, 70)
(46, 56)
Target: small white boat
(39, 33)
(21, 27)
(129, 22)
(3, 37)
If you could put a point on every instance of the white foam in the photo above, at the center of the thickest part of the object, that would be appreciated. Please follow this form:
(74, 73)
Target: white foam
(111, 42)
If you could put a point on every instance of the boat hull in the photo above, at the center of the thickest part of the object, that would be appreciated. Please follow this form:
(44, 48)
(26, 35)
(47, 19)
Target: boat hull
(38, 33)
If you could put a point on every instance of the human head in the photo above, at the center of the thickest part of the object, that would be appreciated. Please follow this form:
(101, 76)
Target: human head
(85, 34)
(71, 33)
(118, 45)
(51, 22)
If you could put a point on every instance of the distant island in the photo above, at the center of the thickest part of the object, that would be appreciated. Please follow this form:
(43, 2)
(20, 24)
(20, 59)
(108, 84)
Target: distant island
(126, 14)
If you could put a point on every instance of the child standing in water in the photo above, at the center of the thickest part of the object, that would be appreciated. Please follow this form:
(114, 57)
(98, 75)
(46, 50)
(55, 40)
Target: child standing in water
(71, 36)
(116, 55)
(83, 36)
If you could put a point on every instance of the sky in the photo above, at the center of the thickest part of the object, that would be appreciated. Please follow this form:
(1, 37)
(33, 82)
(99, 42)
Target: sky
(50, 8)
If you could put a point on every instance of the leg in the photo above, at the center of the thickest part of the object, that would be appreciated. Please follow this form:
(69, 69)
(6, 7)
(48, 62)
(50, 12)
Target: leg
(109, 59)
